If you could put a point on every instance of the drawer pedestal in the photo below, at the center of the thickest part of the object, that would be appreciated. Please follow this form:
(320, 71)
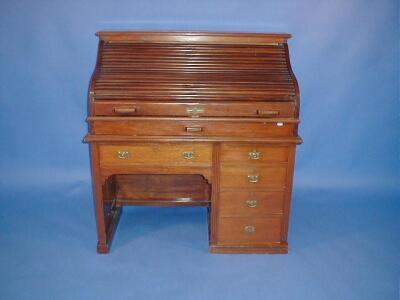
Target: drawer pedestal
(247, 214)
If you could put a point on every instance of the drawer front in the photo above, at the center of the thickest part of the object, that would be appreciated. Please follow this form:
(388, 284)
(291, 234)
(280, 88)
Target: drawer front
(226, 109)
(250, 203)
(244, 230)
(245, 176)
(156, 154)
(190, 127)
(253, 153)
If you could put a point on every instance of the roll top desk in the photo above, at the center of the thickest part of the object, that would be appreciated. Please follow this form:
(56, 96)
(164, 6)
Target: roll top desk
(196, 119)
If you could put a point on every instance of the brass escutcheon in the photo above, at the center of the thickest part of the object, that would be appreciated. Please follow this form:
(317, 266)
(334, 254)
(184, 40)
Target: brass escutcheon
(123, 154)
(252, 178)
(195, 111)
(251, 203)
(188, 155)
(254, 154)
(249, 229)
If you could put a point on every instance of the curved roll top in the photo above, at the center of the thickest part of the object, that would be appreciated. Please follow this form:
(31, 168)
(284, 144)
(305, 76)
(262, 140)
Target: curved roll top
(207, 67)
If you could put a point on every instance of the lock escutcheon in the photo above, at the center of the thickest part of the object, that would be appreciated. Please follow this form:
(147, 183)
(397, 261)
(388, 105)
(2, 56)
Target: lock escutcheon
(188, 155)
(249, 229)
(195, 111)
(251, 203)
(123, 154)
(254, 155)
(252, 178)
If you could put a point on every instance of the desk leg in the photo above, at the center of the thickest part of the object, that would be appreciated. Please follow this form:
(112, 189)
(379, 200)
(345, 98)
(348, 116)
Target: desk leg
(213, 209)
(107, 213)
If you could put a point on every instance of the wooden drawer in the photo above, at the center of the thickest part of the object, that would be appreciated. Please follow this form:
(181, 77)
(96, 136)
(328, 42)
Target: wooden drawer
(189, 154)
(250, 203)
(245, 230)
(191, 127)
(202, 109)
(253, 153)
(247, 176)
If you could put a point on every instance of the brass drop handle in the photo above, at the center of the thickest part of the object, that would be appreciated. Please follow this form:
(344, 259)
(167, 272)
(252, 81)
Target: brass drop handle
(251, 203)
(193, 129)
(249, 229)
(253, 178)
(195, 111)
(188, 155)
(254, 155)
(267, 113)
(123, 154)
(125, 110)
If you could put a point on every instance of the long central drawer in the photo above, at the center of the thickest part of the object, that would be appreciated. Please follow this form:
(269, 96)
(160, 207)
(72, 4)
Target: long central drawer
(193, 154)
(192, 127)
(204, 109)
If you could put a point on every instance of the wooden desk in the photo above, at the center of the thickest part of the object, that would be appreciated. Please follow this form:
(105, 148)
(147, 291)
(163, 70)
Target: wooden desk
(183, 119)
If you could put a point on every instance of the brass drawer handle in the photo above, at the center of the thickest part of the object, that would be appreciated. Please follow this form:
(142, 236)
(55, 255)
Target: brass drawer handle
(254, 154)
(195, 111)
(193, 129)
(125, 110)
(253, 178)
(249, 229)
(251, 203)
(267, 113)
(123, 154)
(188, 155)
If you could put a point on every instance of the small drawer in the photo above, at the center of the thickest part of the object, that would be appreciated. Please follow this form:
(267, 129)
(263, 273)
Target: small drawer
(253, 153)
(245, 176)
(250, 203)
(194, 154)
(196, 109)
(143, 126)
(244, 230)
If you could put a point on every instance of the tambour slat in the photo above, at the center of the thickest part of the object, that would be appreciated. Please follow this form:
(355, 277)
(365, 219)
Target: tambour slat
(154, 71)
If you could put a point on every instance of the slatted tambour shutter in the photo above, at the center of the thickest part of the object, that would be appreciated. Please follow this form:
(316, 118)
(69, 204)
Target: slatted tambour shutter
(194, 72)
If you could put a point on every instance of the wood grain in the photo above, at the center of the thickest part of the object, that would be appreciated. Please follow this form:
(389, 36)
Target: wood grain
(183, 118)
(232, 230)
(236, 203)
(242, 153)
(193, 37)
(184, 127)
(163, 189)
(155, 154)
(236, 176)
(210, 109)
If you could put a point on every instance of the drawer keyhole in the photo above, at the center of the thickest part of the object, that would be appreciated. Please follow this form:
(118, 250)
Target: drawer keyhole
(123, 154)
(188, 155)
(249, 229)
(254, 154)
(251, 203)
(253, 178)
(195, 111)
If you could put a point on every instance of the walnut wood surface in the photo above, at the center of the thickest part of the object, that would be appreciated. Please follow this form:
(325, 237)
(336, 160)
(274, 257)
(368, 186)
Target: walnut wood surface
(193, 37)
(232, 230)
(250, 203)
(163, 189)
(131, 68)
(236, 176)
(241, 153)
(191, 127)
(183, 118)
(209, 109)
(153, 154)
